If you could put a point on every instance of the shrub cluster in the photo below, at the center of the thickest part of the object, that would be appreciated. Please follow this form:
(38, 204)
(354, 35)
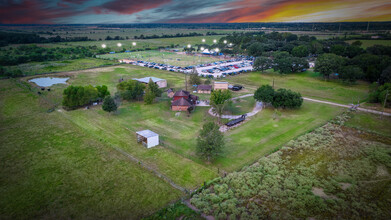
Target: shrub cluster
(281, 98)
(77, 96)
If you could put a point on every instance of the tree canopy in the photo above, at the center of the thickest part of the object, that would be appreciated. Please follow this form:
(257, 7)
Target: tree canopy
(210, 141)
(131, 90)
(109, 104)
(265, 94)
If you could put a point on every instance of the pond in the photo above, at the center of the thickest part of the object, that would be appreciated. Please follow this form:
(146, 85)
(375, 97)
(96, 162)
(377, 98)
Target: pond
(49, 81)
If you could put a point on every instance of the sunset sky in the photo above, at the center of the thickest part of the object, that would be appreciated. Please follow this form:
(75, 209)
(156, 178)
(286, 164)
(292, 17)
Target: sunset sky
(190, 11)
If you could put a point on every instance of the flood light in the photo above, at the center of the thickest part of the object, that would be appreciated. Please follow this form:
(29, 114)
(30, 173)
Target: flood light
(188, 46)
(214, 41)
(203, 40)
(103, 45)
(134, 43)
(225, 41)
(119, 44)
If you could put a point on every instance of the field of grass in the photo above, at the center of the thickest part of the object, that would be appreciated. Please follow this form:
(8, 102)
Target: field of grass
(162, 57)
(308, 83)
(241, 106)
(53, 169)
(369, 43)
(262, 134)
(34, 68)
(140, 44)
(371, 123)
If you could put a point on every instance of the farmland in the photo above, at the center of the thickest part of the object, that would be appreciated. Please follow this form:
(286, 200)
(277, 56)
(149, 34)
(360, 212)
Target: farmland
(86, 163)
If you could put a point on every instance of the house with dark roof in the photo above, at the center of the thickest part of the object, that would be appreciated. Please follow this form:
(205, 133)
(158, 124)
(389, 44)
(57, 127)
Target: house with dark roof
(170, 92)
(204, 89)
(182, 100)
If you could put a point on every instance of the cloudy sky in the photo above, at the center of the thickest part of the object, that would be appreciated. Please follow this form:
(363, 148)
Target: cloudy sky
(190, 11)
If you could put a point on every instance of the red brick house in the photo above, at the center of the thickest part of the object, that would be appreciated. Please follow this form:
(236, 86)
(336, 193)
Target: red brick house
(182, 100)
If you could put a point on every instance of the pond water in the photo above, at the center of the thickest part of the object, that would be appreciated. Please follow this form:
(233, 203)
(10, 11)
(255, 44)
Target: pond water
(49, 81)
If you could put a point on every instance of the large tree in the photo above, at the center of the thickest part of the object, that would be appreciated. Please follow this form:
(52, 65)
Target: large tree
(154, 88)
(109, 104)
(149, 96)
(195, 79)
(255, 49)
(285, 98)
(131, 90)
(219, 100)
(265, 94)
(351, 74)
(210, 141)
(262, 63)
(300, 51)
(329, 63)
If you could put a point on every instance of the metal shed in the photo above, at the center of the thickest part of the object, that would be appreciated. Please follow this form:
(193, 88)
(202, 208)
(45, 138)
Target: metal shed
(148, 138)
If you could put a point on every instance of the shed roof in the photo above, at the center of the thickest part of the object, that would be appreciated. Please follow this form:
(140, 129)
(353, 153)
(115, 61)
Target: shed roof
(146, 79)
(221, 82)
(182, 93)
(147, 133)
(181, 102)
(205, 87)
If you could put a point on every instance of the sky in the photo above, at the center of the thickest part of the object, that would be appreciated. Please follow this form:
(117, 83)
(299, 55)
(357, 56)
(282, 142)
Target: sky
(190, 11)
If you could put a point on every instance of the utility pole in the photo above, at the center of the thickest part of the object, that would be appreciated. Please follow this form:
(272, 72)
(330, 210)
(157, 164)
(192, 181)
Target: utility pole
(273, 83)
(385, 100)
(186, 81)
(368, 26)
(339, 29)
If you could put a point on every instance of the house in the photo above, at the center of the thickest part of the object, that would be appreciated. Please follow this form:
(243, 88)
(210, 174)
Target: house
(162, 83)
(220, 85)
(148, 138)
(170, 92)
(204, 89)
(182, 100)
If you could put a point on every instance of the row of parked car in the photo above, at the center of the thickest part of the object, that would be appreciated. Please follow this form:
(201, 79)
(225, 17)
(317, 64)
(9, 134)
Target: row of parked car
(164, 66)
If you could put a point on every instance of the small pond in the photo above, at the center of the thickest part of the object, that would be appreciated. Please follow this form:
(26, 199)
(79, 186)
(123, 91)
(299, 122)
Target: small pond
(49, 81)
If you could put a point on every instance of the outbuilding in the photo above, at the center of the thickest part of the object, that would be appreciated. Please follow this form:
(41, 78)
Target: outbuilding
(162, 83)
(220, 85)
(147, 138)
(204, 89)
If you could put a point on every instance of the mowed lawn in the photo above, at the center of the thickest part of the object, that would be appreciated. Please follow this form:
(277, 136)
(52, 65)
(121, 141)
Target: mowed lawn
(262, 134)
(308, 83)
(372, 123)
(51, 168)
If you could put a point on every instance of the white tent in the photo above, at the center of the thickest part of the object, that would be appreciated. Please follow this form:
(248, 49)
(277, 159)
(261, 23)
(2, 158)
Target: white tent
(206, 51)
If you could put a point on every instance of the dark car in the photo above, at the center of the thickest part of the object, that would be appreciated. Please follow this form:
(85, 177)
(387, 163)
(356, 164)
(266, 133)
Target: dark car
(237, 87)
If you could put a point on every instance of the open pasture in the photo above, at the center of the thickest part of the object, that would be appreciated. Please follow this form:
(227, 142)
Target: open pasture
(309, 84)
(369, 43)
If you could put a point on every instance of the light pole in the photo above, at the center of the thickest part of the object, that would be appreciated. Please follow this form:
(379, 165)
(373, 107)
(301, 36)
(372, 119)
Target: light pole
(103, 45)
(225, 41)
(134, 44)
(203, 40)
(214, 41)
(119, 44)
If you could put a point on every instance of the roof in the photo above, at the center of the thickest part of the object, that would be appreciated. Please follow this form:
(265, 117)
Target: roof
(147, 133)
(181, 102)
(146, 79)
(170, 90)
(221, 82)
(182, 93)
(205, 87)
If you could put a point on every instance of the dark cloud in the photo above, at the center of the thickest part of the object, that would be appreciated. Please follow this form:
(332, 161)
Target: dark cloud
(128, 7)
(30, 12)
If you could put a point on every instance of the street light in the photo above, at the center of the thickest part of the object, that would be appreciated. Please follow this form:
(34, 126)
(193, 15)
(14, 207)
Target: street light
(225, 41)
(230, 44)
(202, 48)
(214, 41)
(103, 45)
(134, 43)
(188, 46)
(119, 44)
(203, 40)
(217, 49)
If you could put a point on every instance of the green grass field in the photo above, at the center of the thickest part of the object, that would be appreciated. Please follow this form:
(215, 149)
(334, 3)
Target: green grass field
(161, 57)
(140, 44)
(372, 123)
(369, 43)
(34, 68)
(309, 84)
(53, 169)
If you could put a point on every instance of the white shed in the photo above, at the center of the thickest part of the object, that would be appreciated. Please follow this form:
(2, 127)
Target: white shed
(148, 138)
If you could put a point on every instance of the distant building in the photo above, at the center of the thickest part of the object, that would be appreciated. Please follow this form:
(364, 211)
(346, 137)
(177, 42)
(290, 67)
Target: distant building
(147, 138)
(204, 89)
(170, 93)
(162, 83)
(182, 100)
(220, 85)
(126, 61)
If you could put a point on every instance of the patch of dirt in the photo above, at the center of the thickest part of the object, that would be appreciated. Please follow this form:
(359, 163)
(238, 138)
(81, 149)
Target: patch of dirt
(382, 171)
(319, 192)
(344, 186)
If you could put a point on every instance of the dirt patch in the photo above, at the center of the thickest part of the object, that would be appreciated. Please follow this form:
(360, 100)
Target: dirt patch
(319, 192)
(344, 186)
(382, 171)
